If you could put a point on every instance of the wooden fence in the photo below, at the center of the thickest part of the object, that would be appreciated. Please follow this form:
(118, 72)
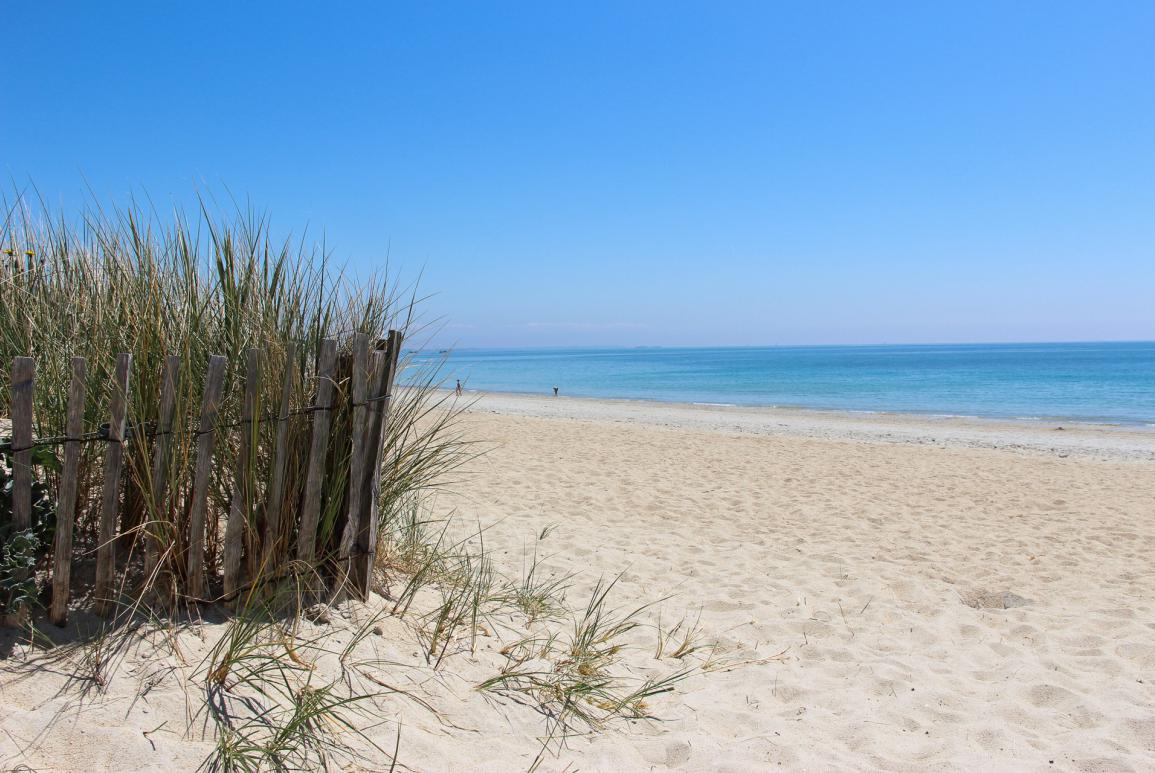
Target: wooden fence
(245, 557)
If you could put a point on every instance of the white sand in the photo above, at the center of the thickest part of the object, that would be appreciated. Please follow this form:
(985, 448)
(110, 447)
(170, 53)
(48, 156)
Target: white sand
(835, 551)
(851, 541)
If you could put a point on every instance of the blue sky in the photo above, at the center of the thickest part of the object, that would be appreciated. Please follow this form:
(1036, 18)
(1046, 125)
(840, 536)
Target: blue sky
(639, 173)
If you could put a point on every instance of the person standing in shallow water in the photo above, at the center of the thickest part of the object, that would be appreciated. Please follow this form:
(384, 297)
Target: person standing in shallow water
(458, 390)
(555, 391)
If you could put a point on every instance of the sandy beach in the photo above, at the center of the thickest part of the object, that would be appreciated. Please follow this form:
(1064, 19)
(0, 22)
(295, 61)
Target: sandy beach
(877, 553)
(885, 593)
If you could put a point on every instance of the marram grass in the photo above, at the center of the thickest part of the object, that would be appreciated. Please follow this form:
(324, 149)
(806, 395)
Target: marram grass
(194, 285)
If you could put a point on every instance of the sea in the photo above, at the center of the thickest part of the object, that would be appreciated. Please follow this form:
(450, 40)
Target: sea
(1110, 383)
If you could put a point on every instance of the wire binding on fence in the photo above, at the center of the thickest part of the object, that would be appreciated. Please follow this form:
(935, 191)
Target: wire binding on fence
(130, 430)
(59, 440)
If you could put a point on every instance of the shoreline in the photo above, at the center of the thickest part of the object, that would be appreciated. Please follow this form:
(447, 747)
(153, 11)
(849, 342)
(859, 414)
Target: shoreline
(1061, 438)
(1146, 425)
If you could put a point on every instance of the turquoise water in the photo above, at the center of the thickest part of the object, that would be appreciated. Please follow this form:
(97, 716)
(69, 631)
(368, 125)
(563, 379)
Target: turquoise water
(1099, 382)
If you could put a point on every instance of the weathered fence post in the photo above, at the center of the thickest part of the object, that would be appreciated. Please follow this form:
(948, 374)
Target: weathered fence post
(241, 507)
(366, 550)
(23, 382)
(160, 531)
(66, 496)
(272, 541)
(113, 463)
(360, 379)
(207, 432)
(396, 340)
(322, 405)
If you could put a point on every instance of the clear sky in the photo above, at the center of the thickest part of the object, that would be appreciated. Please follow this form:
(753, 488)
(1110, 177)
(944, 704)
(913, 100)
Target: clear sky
(639, 173)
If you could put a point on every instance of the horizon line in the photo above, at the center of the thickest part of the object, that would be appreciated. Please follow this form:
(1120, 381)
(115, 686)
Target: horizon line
(793, 345)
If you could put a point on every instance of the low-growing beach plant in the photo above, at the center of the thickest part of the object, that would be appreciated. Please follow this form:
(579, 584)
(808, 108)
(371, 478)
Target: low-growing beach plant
(266, 705)
(412, 542)
(21, 550)
(595, 640)
(572, 680)
(414, 549)
(683, 639)
(99, 654)
(416, 552)
(539, 595)
(467, 598)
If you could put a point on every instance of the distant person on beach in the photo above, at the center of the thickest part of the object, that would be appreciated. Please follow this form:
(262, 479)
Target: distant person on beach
(555, 391)
(458, 390)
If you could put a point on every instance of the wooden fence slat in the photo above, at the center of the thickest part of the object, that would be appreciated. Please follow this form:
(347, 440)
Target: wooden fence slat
(113, 464)
(378, 365)
(241, 507)
(66, 496)
(360, 381)
(273, 540)
(160, 531)
(356, 578)
(311, 508)
(375, 481)
(214, 381)
(362, 572)
(23, 383)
